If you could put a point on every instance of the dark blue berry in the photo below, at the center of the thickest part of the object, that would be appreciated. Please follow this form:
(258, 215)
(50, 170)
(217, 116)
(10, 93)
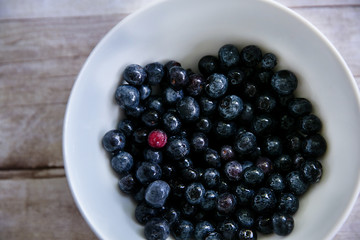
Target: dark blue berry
(288, 203)
(209, 201)
(250, 90)
(263, 224)
(189, 174)
(284, 82)
(262, 124)
(152, 155)
(188, 210)
(230, 107)
(253, 176)
(272, 146)
(299, 107)
(171, 96)
(127, 96)
(168, 171)
(171, 215)
(245, 217)
(178, 148)
(268, 61)
(185, 163)
(233, 170)
(204, 125)
(309, 124)
(145, 91)
(170, 64)
(150, 118)
(298, 160)
(226, 203)
(214, 236)
(250, 55)
(247, 234)
(225, 129)
(196, 84)
(139, 196)
(127, 184)
(265, 164)
(134, 74)
(202, 229)
(157, 229)
(171, 122)
(126, 126)
(314, 146)
(207, 106)
(211, 177)
(228, 229)
(227, 153)
(135, 112)
(247, 113)
(296, 183)
(266, 103)
(235, 76)
(178, 189)
(156, 193)
(286, 122)
(283, 224)
(212, 157)
(208, 65)
(293, 142)
(178, 77)
(182, 230)
(264, 200)
(311, 171)
(155, 103)
(283, 163)
(216, 86)
(122, 162)
(199, 142)
(113, 141)
(140, 135)
(194, 193)
(148, 172)
(244, 194)
(229, 56)
(245, 143)
(188, 109)
(155, 73)
(144, 212)
(276, 182)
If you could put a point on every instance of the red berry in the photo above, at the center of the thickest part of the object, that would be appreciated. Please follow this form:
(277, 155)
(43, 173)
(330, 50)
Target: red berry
(157, 139)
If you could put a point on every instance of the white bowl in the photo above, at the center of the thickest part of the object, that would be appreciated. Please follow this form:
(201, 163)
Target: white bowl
(185, 30)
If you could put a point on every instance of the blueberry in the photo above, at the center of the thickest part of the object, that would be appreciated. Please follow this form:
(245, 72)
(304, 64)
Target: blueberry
(168, 171)
(127, 184)
(263, 224)
(293, 142)
(171, 96)
(140, 135)
(311, 171)
(170, 64)
(207, 106)
(246, 164)
(178, 77)
(134, 74)
(113, 140)
(288, 203)
(263, 77)
(253, 176)
(148, 172)
(245, 217)
(208, 65)
(235, 76)
(264, 200)
(202, 229)
(211, 177)
(276, 182)
(194, 193)
(185, 163)
(244, 194)
(272, 146)
(188, 109)
(178, 148)
(262, 124)
(122, 162)
(268, 61)
(189, 174)
(188, 210)
(155, 73)
(265, 164)
(150, 118)
(126, 126)
(247, 113)
(284, 82)
(233, 170)
(226, 203)
(212, 157)
(247, 234)
(214, 236)
(171, 122)
(157, 229)
(230, 107)
(144, 212)
(156, 193)
(152, 155)
(310, 124)
(283, 163)
(210, 200)
(265, 103)
(228, 229)
(145, 91)
(286, 122)
(199, 142)
(139, 196)
(229, 56)
(250, 90)
(298, 160)
(299, 106)
(223, 186)
(225, 129)
(216, 86)
(204, 125)
(314, 146)
(127, 96)
(155, 103)
(250, 55)
(196, 85)
(283, 224)
(182, 230)
(135, 112)
(171, 215)
(245, 143)
(178, 189)
(296, 183)
(227, 153)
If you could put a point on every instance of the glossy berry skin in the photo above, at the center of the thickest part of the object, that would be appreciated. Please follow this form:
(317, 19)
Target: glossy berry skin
(171, 122)
(194, 193)
(134, 74)
(150, 118)
(288, 203)
(262, 124)
(155, 73)
(272, 146)
(229, 56)
(145, 91)
(127, 96)
(265, 164)
(235, 76)
(216, 86)
(228, 229)
(156, 193)
(233, 170)
(202, 229)
(188, 109)
(157, 229)
(245, 143)
(204, 125)
(178, 77)
(253, 176)
(196, 85)
(207, 106)
(144, 212)
(126, 126)
(299, 107)
(250, 55)
(182, 230)
(171, 96)
(265, 103)
(283, 224)
(208, 65)
(244, 194)
(287, 122)
(309, 124)
(296, 183)
(214, 236)
(245, 217)
(247, 234)
(122, 162)
(311, 171)
(171, 215)
(293, 142)
(283, 163)
(127, 184)
(148, 172)
(227, 153)
(225, 129)
(268, 61)
(314, 146)
(135, 112)
(199, 142)
(153, 155)
(157, 139)
(212, 158)
(178, 148)
(264, 200)
(230, 107)
(226, 203)
(276, 182)
(263, 224)
(211, 178)
(284, 82)
(140, 135)
(155, 103)
(113, 140)
(210, 200)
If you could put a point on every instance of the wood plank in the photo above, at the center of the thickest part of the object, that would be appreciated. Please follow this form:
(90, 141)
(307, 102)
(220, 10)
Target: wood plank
(32, 174)
(40, 209)
(67, 8)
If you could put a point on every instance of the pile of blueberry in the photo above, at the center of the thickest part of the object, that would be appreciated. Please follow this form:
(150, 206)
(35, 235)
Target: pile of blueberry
(221, 154)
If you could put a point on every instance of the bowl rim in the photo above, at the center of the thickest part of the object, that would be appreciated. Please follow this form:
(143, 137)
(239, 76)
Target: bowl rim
(339, 223)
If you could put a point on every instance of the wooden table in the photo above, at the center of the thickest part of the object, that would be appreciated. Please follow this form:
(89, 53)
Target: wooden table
(43, 45)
